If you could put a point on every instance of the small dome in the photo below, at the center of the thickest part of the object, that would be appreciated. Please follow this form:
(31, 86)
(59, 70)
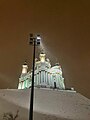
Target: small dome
(57, 64)
(25, 63)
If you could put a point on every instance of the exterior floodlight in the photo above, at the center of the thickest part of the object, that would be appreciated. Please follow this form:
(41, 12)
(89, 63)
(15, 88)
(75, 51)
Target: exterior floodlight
(31, 35)
(33, 41)
(38, 42)
(38, 37)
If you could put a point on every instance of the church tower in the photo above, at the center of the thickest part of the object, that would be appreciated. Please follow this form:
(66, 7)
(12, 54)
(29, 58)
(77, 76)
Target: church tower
(22, 79)
(24, 68)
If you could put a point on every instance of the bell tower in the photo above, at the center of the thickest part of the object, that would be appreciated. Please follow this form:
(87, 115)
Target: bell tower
(24, 68)
(22, 81)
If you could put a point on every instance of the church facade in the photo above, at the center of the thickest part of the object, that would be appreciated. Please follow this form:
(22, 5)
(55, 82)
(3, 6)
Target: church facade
(45, 76)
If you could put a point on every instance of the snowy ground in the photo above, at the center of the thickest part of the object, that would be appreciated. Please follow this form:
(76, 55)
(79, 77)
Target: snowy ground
(48, 104)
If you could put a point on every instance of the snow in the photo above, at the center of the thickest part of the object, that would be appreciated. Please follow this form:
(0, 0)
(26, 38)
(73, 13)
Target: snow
(48, 104)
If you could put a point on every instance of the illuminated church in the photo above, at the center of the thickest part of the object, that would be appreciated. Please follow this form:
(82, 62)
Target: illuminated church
(46, 76)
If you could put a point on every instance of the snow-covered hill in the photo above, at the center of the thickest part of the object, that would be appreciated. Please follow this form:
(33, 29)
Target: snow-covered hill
(48, 104)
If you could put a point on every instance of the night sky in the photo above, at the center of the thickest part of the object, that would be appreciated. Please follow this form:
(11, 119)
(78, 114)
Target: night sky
(64, 26)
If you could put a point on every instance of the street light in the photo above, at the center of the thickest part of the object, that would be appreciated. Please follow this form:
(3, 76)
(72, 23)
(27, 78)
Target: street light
(35, 41)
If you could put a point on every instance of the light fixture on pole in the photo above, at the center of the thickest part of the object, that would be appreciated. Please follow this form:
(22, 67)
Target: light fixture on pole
(35, 41)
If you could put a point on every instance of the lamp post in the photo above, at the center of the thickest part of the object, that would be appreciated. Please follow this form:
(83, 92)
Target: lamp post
(35, 41)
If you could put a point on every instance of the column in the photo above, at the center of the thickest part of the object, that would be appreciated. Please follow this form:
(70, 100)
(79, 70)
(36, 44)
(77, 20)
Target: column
(19, 86)
(22, 84)
(49, 79)
(39, 78)
(44, 77)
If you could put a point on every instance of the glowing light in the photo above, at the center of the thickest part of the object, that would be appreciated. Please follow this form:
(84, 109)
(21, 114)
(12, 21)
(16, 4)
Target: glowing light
(38, 37)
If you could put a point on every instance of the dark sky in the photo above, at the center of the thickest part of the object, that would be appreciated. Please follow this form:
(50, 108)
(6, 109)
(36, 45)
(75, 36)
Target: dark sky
(65, 29)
